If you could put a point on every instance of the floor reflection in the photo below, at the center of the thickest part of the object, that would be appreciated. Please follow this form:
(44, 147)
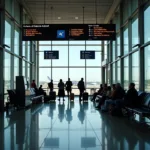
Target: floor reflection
(70, 126)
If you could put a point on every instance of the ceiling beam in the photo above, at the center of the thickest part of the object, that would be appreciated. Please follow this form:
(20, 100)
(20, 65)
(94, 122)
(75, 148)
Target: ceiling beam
(112, 10)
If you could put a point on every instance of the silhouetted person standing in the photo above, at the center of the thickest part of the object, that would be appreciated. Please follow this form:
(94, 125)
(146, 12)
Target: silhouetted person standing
(68, 86)
(61, 92)
(50, 85)
(81, 88)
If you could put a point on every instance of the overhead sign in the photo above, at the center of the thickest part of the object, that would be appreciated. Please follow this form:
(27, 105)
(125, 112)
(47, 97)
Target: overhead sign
(51, 55)
(44, 32)
(87, 54)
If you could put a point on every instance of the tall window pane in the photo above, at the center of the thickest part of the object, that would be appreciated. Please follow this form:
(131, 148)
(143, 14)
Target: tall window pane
(44, 62)
(118, 72)
(147, 68)
(29, 50)
(126, 73)
(60, 73)
(126, 42)
(7, 33)
(74, 56)
(97, 60)
(44, 77)
(114, 51)
(105, 50)
(135, 39)
(146, 25)
(23, 68)
(16, 41)
(114, 73)
(118, 45)
(93, 77)
(135, 69)
(7, 71)
(63, 56)
(76, 74)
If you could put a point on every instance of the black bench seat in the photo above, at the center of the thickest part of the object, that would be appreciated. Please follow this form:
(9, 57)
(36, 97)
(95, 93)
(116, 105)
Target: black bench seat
(144, 109)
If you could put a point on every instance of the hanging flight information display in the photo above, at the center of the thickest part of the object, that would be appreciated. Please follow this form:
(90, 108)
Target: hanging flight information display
(68, 32)
(51, 55)
(87, 54)
(36, 32)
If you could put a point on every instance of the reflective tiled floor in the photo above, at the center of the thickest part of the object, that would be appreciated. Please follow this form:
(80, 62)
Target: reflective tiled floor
(70, 126)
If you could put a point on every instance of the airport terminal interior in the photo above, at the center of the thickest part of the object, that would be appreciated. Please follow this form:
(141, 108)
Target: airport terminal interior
(101, 41)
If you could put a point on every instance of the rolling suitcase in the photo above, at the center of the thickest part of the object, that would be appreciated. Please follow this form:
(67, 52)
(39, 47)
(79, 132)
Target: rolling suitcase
(72, 96)
(85, 96)
(52, 95)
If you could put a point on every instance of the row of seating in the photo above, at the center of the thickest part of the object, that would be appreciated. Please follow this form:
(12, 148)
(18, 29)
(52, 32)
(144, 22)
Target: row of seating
(144, 108)
(13, 98)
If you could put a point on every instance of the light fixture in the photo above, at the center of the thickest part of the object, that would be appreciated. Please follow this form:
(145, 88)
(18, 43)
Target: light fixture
(76, 18)
(59, 18)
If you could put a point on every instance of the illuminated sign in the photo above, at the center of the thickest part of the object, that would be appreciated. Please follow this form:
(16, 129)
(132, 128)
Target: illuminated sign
(46, 32)
(87, 54)
(51, 55)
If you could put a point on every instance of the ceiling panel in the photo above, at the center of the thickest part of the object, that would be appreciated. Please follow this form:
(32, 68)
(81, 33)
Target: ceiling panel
(68, 11)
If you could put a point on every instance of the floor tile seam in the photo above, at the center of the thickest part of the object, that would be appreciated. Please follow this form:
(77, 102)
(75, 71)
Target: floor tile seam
(94, 132)
(48, 132)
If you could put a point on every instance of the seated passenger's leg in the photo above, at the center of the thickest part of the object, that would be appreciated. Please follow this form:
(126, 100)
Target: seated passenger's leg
(106, 104)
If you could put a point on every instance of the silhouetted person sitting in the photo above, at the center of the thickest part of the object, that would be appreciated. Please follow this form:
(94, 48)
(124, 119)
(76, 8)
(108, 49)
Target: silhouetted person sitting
(131, 97)
(50, 85)
(41, 91)
(117, 94)
(105, 96)
(81, 88)
(33, 84)
(68, 86)
(61, 92)
(98, 92)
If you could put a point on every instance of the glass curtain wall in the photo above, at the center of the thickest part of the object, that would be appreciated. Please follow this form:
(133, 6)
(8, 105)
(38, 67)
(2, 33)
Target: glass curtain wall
(13, 54)
(69, 64)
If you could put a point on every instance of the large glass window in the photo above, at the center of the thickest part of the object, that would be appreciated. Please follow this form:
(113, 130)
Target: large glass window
(118, 45)
(118, 72)
(23, 68)
(147, 68)
(63, 56)
(76, 74)
(16, 41)
(126, 73)
(114, 73)
(7, 33)
(105, 50)
(135, 69)
(7, 72)
(44, 76)
(135, 39)
(146, 25)
(74, 56)
(93, 77)
(97, 60)
(69, 63)
(29, 50)
(113, 51)
(42, 61)
(126, 41)
(60, 73)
